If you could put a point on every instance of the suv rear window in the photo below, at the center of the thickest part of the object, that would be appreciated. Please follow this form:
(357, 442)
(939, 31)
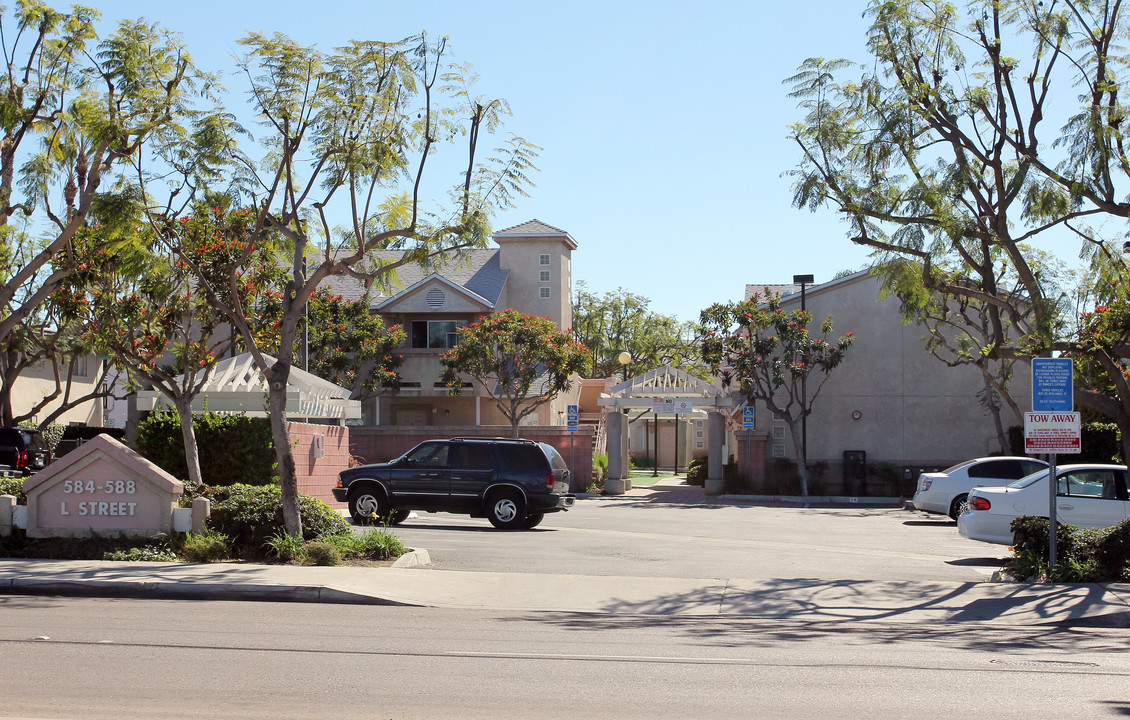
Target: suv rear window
(555, 458)
(33, 440)
(523, 458)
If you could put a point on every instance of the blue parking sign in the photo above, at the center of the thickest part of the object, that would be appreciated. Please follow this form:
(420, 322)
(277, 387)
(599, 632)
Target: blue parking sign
(1052, 380)
(747, 418)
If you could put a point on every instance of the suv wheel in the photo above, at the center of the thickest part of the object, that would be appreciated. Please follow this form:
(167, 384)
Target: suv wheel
(533, 520)
(368, 505)
(507, 510)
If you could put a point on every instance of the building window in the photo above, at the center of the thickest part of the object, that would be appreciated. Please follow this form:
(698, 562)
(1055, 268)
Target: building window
(544, 293)
(441, 334)
(544, 276)
(543, 259)
(79, 366)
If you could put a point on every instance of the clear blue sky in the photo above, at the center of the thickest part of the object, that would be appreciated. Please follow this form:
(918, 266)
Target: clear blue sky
(663, 126)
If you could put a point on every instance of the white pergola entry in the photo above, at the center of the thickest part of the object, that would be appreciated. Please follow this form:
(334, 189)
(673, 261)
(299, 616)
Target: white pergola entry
(237, 386)
(640, 393)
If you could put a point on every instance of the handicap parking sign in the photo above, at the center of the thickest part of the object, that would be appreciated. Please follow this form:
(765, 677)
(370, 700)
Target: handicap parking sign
(747, 418)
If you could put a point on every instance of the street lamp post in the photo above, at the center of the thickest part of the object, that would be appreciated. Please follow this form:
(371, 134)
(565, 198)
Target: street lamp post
(803, 281)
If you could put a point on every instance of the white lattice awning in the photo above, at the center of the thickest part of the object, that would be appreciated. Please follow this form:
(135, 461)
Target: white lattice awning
(237, 386)
(665, 382)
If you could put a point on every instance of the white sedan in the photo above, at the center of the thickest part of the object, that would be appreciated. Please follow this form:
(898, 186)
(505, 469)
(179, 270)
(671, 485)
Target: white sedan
(1087, 496)
(946, 491)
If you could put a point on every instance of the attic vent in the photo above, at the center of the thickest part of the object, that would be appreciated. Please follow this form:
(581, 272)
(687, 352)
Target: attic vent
(436, 298)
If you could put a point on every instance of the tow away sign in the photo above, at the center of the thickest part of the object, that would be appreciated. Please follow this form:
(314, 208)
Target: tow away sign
(1051, 432)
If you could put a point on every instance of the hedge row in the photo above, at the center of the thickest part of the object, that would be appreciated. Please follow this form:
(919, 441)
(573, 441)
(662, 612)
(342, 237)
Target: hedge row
(1092, 555)
(234, 449)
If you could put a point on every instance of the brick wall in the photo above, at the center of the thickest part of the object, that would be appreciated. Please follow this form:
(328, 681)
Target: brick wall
(385, 442)
(749, 454)
(318, 475)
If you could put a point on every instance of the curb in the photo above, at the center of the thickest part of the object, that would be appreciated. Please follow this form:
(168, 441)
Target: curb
(145, 590)
(415, 558)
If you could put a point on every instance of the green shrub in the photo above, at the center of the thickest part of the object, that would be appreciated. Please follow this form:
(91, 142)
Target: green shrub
(234, 449)
(209, 546)
(376, 543)
(1092, 555)
(251, 515)
(697, 471)
(642, 462)
(96, 547)
(148, 553)
(286, 548)
(1031, 534)
(1112, 553)
(1101, 443)
(600, 463)
(13, 486)
(319, 552)
(52, 433)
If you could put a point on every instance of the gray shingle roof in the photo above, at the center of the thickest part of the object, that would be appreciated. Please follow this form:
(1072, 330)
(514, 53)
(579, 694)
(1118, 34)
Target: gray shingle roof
(478, 271)
(531, 227)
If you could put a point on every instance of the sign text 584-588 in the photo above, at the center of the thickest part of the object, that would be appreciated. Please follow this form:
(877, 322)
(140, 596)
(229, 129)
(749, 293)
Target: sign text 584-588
(99, 498)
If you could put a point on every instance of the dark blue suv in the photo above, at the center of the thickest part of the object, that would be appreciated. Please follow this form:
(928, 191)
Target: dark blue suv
(512, 483)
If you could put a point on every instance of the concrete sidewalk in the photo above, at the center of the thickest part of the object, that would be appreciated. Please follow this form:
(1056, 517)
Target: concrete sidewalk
(795, 600)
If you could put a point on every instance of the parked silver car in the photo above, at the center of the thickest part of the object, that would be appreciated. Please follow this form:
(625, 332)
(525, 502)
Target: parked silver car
(1087, 496)
(946, 491)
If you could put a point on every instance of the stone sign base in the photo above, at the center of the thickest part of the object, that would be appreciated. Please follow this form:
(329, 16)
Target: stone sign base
(103, 488)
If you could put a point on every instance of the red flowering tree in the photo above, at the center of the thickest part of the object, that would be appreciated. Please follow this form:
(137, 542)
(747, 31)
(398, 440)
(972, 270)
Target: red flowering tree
(1102, 374)
(149, 317)
(522, 361)
(349, 135)
(771, 357)
(84, 120)
(350, 346)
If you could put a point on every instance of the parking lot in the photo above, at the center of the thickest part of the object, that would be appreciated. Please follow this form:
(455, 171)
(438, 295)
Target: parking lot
(635, 536)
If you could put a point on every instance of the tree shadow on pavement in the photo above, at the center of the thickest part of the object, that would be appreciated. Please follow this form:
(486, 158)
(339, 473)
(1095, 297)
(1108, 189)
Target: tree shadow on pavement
(738, 632)
(807, 607)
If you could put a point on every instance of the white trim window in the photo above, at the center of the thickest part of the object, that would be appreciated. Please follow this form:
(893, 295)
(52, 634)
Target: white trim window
(544, 276)
(545, 293)
(543, 259)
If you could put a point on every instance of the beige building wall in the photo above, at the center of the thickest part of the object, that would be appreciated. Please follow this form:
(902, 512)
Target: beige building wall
(912, 409)
(541, 275)
(38, 382)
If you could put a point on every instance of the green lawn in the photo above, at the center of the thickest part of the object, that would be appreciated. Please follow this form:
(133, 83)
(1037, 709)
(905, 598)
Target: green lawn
(644, 478)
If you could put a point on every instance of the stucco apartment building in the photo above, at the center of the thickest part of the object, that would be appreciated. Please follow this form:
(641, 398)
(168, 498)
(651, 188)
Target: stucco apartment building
(891, 400)
(530, 270)
(38, 382)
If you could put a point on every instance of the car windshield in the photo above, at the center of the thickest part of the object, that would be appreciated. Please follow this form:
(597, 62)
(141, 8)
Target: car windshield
(1029, 479)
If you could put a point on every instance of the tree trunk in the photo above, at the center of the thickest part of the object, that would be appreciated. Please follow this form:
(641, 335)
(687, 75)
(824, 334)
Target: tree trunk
(995, 411)
(288, 475)
(183, 404)
(798, 452)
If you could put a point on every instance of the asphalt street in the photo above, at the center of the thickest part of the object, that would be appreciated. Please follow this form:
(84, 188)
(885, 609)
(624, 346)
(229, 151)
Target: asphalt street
(122, 659)
(634, 535)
